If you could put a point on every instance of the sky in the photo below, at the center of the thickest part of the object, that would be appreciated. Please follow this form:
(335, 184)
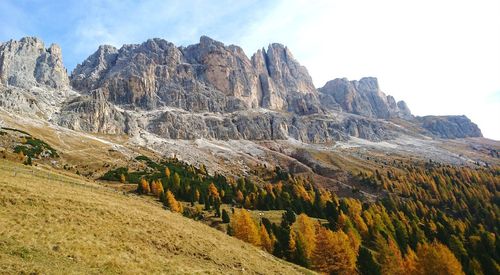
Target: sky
(441, 57)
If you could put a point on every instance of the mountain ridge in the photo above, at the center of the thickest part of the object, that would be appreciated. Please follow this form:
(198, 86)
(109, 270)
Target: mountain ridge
(266, 96)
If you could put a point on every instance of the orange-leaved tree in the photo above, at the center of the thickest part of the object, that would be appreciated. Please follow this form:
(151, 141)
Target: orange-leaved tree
(333, 252)
(436, 258)
(306, 234)
(172, 203)
(212, 191)
(389, 256)
(167, 172)
(144, 186)
(265, 240)
(244, 227)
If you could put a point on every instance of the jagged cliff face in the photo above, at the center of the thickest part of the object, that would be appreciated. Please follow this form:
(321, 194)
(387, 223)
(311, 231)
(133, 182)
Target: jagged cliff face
(450, 126)
(207, 76)
(27, 63)
(33, 80)
(206, 90)
(363, 97)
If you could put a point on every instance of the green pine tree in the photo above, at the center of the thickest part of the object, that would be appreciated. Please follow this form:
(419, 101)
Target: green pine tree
(225, 216)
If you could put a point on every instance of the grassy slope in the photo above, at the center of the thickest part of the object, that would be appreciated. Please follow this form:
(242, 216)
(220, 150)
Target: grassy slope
(55, 223)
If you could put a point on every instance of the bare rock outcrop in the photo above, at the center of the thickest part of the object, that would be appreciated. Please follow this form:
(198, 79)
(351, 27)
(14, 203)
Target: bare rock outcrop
(207, 76)
(93, 113)
(206, 90)
(364, 98)
(450, 126)
(33, 80)
(27, 63)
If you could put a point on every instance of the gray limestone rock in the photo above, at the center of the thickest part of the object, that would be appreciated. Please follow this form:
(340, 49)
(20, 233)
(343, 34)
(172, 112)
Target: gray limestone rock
(207, 90)
(364, 98)
(27, 63)
(207, 76)
(450, 126)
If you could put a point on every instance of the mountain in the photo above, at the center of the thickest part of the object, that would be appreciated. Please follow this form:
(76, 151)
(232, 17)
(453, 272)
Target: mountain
(206, 90)
(204, 77)
(244, 145)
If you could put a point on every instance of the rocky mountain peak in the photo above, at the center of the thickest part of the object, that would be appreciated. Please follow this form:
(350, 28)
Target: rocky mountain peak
(207, 76)
(363, 97)
(27, 63)
(286, 71)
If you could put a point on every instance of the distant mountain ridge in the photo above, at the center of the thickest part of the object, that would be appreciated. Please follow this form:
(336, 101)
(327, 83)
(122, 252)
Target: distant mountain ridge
(206, 90)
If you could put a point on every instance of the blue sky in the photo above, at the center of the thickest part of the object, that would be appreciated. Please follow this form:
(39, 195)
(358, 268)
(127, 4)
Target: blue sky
(81, 26)
(441, 57)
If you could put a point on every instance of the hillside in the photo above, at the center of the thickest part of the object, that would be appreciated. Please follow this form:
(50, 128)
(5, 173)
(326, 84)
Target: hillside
(245, 144)
(54, 223)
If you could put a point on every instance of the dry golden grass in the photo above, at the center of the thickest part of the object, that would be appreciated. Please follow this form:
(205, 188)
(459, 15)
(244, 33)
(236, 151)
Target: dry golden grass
(60, 224)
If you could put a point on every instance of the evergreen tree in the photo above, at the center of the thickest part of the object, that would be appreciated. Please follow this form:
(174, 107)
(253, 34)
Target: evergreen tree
(217, 207)
(28, 161)
(176, 184)
(366, 262)
(207, 204)
(288, 217)
(225, 216)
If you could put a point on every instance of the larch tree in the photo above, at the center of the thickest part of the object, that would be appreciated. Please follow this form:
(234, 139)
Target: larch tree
(389, 256)
(265, 240)
(248, 203)
(144, 186)
(239, 197)
(156, 188)
(21, 155)
(306, 234)
(333, 252)
(437, 259)
(410, 262)
(160, 188)
(292, 245)
(244, 228)
(212, 191)
(167, 172)
(203, 169)
(172, 203)
(196, 195)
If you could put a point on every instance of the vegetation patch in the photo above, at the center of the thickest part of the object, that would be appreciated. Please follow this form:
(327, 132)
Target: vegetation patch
(429, 209)
(16, 130)
(35, 148)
